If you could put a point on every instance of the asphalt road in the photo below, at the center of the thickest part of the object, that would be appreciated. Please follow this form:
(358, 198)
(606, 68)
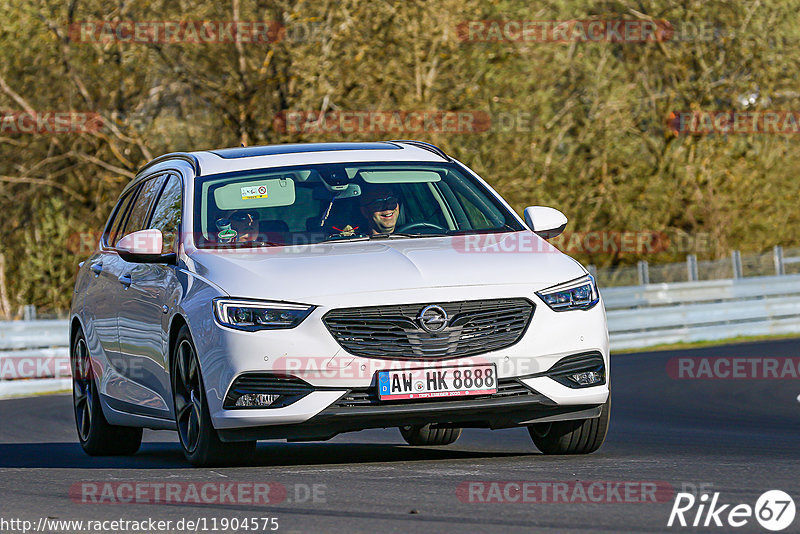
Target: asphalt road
(738, 437)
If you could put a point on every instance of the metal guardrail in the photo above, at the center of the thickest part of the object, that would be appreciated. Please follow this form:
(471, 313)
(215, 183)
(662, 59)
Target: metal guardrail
(33, 334)
(638, 317)
(778, 261)
(655, 314)
(34, 357)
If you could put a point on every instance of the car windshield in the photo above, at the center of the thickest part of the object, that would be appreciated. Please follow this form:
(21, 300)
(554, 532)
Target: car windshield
(343, 202)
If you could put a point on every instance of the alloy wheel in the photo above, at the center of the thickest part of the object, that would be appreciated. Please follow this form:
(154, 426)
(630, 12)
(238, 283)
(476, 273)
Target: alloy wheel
(83, 394)
(188, 396)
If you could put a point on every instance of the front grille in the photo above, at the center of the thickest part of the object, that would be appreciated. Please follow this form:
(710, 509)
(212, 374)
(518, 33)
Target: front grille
(506, 387)
(474, 327)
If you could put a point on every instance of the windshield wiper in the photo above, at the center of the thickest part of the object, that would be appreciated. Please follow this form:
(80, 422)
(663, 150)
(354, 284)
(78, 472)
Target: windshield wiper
(405, 235)
(345, 238)
(396, 235)
(378, 237)
(500, 230)
(245, 244)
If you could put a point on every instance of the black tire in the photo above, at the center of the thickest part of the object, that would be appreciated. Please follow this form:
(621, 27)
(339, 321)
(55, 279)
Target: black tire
(425, 435)
(199, 440)
(581, 436)
(97, 436)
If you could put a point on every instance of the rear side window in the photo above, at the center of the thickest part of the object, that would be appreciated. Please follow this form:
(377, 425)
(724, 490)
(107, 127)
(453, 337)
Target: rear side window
(140, 209)
(167, 214)
(119, 217)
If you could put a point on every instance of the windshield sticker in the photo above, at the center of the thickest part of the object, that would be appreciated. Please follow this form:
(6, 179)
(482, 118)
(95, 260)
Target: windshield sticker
(254, 191)
(227, 236)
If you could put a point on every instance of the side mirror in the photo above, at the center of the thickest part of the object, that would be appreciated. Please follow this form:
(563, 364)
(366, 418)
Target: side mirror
(144, 246)
(546, 222)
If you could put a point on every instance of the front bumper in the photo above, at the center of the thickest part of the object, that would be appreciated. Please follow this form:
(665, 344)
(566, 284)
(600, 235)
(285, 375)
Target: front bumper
(515, 403)
(491, 412)
(310, 353)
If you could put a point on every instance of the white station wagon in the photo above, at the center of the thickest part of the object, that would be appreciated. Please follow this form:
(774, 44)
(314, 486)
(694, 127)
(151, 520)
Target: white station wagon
(301, 291)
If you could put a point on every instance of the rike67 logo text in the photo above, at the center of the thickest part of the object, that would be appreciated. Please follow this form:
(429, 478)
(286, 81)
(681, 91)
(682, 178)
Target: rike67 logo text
(774, 510)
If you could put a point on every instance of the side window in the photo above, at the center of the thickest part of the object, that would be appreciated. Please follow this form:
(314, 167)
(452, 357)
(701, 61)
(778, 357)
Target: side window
(480, 213)
(420, 205)
(167, 214)
(119, 217)
(140, 210)
(476, 217)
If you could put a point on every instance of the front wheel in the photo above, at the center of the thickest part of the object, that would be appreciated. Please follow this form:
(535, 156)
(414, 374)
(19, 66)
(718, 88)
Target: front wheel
(200, 442)
(426, 435)
(97, 436)
(581, 436)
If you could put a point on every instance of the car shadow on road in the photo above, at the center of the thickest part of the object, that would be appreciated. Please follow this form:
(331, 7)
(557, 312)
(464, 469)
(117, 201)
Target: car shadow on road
(169, 456)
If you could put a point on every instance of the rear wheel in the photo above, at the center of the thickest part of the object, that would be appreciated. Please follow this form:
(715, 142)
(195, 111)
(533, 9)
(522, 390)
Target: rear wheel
(580, 436)
(200, 442)
(426, 435)
(97, 436)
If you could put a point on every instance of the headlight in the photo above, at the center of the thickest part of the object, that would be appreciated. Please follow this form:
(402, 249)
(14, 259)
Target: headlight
(253, 315)
(579, 294)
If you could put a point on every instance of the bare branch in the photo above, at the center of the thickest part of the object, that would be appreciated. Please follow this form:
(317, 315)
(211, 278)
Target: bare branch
(16, 97)
(103, 164)
(43, 182)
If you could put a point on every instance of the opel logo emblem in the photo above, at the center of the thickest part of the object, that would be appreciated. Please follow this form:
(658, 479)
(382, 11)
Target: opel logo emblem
(433, 318)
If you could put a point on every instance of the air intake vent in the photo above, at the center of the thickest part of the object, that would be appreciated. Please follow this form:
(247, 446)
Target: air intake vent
(290, 389)
(579, 370)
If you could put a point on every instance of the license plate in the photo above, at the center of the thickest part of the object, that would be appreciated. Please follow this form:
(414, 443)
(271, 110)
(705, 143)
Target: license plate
(438, 382)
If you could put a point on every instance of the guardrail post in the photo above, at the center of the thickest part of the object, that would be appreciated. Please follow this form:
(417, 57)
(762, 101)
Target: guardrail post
(644, 272)
(736, 260)
(29, 312)
(691, 268)
(777, 256)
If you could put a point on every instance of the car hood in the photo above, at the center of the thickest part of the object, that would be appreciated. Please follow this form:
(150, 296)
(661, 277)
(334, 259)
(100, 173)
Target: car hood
(301, 273)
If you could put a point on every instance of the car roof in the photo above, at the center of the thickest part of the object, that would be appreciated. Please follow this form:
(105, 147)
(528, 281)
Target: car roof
(217, 161)
(258, 157)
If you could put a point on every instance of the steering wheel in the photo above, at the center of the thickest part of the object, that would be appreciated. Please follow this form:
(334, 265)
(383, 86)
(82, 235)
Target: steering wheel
(340, 235)
(430, 226)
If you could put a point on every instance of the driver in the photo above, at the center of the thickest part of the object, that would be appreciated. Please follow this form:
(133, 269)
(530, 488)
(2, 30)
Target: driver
(380, 206)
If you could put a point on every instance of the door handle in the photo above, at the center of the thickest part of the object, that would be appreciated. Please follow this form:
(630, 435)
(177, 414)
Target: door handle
(125, 280)
(97, 268)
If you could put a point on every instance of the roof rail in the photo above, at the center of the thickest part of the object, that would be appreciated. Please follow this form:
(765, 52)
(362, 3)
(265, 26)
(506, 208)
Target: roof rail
(183, 156)
(425, 146)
